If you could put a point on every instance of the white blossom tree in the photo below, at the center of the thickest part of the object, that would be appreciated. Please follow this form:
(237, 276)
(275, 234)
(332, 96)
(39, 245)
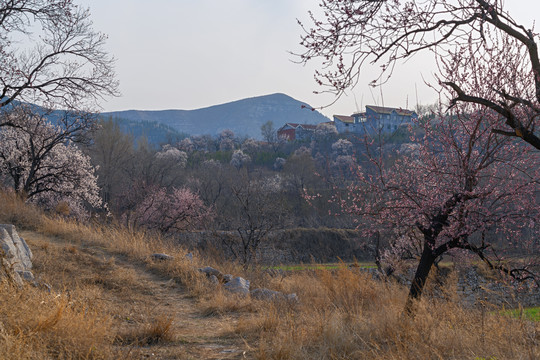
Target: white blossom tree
(172, 154)
(239, 159)
(43, 164)
(226, 140)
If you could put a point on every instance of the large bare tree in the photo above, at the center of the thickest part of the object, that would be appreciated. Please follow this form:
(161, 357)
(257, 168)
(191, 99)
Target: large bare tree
(485, 56)
(51, 56)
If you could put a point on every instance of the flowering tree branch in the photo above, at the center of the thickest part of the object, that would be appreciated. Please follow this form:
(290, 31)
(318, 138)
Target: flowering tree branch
(485, 57)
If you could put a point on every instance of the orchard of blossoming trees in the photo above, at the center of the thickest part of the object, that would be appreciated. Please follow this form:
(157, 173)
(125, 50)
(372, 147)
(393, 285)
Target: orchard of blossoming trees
(464, 180)
(485, 56)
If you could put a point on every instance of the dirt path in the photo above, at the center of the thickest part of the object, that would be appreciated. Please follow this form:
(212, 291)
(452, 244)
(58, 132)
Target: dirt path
(138, 300)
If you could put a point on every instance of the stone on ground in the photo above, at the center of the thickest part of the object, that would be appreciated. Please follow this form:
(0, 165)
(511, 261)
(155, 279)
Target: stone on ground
(238, 286)
(16, 256)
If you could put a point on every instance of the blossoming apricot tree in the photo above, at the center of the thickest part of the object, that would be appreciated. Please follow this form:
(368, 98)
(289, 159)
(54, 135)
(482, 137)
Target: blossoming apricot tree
(43, 164)
(168, 211)
(461, 189)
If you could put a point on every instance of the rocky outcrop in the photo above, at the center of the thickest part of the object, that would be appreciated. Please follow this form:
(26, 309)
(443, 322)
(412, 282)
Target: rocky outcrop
(16, 256)
(240, 286)
(475, 287)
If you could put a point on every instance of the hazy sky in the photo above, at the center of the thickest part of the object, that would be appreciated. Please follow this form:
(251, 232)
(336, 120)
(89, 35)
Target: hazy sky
(189, 54)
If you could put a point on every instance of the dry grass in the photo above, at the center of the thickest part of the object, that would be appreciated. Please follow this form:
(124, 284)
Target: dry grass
(37, 325)
(219, 303)
(160, 330)
(342, 314)
(347, 315)
(14, 211)
(94, 265)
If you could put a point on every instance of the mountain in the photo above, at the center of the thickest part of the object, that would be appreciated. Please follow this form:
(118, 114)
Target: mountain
(155, 132)
(244, 117)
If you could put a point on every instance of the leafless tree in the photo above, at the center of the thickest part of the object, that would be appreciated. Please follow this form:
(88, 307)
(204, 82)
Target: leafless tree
(257, 210)
(52, 56)
(112, 151)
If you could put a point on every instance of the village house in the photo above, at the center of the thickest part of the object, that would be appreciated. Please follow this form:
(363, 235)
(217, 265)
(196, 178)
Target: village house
(292, 131)
(374, 119)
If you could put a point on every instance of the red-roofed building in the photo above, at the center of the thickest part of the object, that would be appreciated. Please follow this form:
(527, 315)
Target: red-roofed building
(292, 131)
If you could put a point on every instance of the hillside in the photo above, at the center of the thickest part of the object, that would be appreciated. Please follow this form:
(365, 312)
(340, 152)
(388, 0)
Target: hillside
(100, 295)
(139, 307)
(244, 117)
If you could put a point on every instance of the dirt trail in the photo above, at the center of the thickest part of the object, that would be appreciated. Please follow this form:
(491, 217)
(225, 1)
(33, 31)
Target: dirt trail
(136, 297)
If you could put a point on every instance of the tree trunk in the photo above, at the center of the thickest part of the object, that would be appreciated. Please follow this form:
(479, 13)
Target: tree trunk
(422, 272)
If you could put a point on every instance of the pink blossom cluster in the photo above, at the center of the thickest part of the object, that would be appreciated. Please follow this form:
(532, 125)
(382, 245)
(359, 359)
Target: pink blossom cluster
(166, 211)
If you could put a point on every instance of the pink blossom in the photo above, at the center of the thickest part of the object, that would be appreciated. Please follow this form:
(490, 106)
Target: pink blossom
(177, 210)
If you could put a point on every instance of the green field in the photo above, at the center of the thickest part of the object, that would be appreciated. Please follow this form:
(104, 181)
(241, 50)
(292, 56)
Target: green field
(532, 313)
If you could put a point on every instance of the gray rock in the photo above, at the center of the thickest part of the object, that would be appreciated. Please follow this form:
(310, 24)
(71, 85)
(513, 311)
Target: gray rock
(45, 286)
(292, 297)
(189, 256)
(162, 257)
(16, 255)
(15, 246)
(238, 286)
(214, 280)
(265, 294)
(227, 278)
(26, 275)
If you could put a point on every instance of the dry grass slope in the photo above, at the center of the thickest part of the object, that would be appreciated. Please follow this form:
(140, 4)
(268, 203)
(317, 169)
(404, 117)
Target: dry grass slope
(102, 308)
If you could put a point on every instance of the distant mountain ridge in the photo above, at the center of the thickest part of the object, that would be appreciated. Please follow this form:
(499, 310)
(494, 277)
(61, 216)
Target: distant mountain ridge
(154, 132)
(244, 117)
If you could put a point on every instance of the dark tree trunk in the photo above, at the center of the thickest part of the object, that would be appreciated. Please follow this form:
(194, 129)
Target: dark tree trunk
(422, 272)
